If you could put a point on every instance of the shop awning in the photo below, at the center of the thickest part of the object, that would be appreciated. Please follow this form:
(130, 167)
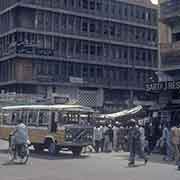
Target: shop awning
(122, 113)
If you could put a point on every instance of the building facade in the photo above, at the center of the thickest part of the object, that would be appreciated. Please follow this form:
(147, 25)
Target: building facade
(169, 77)
(99, 52)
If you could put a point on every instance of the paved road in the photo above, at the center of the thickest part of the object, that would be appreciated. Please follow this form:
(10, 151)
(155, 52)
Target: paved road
(93, 167)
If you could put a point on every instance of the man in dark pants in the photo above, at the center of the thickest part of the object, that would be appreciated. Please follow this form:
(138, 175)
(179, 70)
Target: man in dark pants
(135, 144)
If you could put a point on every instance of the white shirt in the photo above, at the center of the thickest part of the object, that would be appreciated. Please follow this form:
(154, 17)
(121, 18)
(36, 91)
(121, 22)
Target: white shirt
(142, 137)
(115, 131)
(98, 134)
(21, 134)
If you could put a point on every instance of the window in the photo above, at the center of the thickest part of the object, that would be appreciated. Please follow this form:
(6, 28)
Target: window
(48, 21)
(120, 10)
(99, 6)
(120, 53)
(125, 11)
(43, 118)
(71, 47)
(99, 72)
(119, 31)
(56, 69)
(39, 21)
(113, 51)
(92, 28)
(99, 50)
(56, 44)
(105, 28)
(77, 70)
(92, 49)
(70, 22)
(63, 46)
(92, 4)
(71, 69)
(85, 71)
(85, 48)
(85, 4)
(125, 53)
(56, 22)
(92, 71)
(78, 47)
(63, 21)
(32, 118)
(50, 68)
(106, 50)
(85, 27)
(112, 29)
(71, 3)
(113, 9)
(99, 27)
(132, 11)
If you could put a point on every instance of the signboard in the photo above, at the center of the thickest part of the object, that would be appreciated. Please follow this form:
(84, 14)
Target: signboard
(163, 86)
(76, 80)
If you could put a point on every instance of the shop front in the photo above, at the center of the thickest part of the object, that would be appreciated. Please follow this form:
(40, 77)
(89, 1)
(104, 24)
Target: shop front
(167, 107)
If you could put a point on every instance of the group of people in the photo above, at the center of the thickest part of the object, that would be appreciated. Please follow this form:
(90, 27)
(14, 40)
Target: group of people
(138, 139)
(109, 137)
(171, 142)
(121, 138)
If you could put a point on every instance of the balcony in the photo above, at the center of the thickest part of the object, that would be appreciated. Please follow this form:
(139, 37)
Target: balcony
(170, 11)
(173, 48)
(170, 56)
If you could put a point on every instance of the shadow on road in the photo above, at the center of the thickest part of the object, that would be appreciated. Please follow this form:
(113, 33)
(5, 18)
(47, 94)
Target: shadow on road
(154, 158)
(45, 155)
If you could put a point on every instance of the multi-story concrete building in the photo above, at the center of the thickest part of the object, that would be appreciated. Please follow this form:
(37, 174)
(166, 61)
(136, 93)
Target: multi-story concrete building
(169, 78)
(95, 51)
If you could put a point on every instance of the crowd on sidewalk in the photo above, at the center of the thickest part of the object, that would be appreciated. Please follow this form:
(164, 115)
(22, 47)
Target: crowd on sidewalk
(138, 139)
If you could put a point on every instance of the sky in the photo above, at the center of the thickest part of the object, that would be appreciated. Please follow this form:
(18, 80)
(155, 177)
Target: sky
(154, 1)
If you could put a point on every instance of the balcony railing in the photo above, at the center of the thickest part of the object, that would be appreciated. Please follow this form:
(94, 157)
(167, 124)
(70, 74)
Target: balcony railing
(170, 48)
(98, 11)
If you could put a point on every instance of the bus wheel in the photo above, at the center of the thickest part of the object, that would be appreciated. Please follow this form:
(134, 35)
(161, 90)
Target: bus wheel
(76, 151)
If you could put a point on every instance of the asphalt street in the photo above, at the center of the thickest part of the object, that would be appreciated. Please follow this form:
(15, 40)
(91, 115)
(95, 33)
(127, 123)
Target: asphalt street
(112, 166)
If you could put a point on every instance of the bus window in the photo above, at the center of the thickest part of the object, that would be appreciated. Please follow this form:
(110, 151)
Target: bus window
(13, 118)
(24, 116)
(32, 118)
(43, 118)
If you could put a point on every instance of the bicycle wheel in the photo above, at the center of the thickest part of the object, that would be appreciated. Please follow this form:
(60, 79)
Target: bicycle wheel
(25, 158)
(11, 154)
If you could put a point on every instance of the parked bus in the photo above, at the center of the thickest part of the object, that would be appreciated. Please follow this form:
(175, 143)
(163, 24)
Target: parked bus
(52, 127)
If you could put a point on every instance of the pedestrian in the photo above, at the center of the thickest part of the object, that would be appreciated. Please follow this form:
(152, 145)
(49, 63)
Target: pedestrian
(135, 144)
(110, 134)
(106, 139)
(167, 139)
(176, 142)
(115, 137)
(97, 138)
(142, 137)
(103, 129)
(122, 138)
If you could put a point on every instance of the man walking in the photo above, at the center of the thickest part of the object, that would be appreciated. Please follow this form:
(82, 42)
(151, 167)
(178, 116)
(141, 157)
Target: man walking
(176, 142)
(97, 138)
(135, 144)
(115, 137)
(167, 139)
